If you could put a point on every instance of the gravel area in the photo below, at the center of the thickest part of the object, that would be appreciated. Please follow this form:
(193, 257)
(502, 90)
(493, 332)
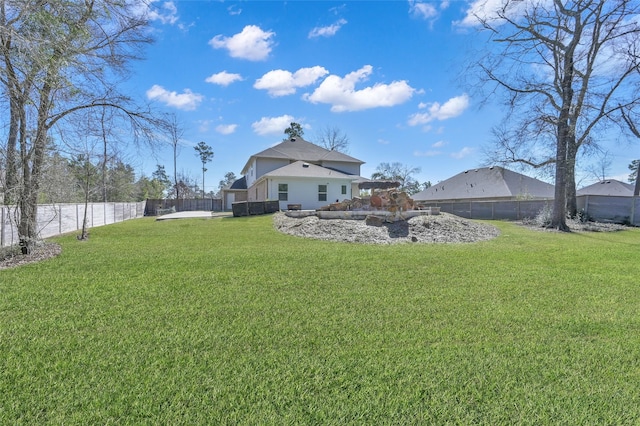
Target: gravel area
(442, 228)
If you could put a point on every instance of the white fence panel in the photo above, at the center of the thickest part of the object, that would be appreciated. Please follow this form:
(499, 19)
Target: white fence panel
(56, 219)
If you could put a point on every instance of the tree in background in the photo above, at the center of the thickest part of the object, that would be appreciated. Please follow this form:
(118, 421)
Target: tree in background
(87, 176)
(149, 189)
(569, 71)
(294, 130)
(58, 58)
(175, 131)
(185, 187)
(160, 176)
(600, 168)
(59, 184)
(400, 173)
(121, 178)
(333, 139)
(229, 178)
(206, 155)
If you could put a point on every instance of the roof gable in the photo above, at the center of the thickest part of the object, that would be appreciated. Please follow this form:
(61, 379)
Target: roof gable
(610, 187)
(487, 182)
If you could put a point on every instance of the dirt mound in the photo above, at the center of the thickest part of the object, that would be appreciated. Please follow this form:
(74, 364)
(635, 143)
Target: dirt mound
(442, 228)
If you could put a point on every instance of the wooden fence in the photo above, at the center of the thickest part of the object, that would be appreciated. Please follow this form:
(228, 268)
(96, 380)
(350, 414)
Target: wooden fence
(183, 205)
(56, 219)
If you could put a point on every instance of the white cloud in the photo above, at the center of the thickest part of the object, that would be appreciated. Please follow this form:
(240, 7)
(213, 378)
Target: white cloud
(450, 109)
(327, 31)
(234, 10)
(226, 129)
(340, 92)
(439, 144)
(464, 152)
(426, 10)
(480, 10)
(422, 10)
(282, 83)
(273, 125)
(166, 13)
(186, 101)
(223, 78)
(426, 153)
(252, 43)
(203, 125)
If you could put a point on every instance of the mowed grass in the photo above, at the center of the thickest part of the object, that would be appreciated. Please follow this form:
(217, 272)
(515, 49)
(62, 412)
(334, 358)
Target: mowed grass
(226, 321)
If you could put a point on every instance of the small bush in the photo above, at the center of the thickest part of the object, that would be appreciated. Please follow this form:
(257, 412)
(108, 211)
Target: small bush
(543, 218)
(9, 252)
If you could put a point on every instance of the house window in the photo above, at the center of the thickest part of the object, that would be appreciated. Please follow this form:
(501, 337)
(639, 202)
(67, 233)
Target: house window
(283, 192)
(322, 192)
(344, 189)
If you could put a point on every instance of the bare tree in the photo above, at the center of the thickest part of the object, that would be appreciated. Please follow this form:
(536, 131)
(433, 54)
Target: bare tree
(569, 70)
(333, 139)
(401, 173)
(59, 58)
(600, 169)
(175, 131)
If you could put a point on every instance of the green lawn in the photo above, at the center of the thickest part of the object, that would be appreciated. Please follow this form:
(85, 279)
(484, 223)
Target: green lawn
(226, 321)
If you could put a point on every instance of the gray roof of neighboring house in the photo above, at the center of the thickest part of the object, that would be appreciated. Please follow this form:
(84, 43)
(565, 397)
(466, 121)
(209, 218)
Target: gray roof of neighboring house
(608, 187)
(307, 170)
(294, 149)
(487, 183)
(237, 184)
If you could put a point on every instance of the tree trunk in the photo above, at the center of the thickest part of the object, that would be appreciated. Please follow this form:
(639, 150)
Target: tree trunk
(572, 204)
(558, 219)
(27, 228)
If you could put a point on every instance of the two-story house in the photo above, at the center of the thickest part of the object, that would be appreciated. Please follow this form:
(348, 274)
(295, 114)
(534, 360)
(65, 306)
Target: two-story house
(299, 172)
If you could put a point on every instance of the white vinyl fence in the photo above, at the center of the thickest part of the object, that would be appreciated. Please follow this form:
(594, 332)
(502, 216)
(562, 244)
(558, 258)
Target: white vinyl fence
(56, 219)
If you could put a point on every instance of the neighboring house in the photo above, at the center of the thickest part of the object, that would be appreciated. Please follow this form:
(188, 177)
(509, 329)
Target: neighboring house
(298, 172)
(237, 191)
(609, 187)
(487, 184)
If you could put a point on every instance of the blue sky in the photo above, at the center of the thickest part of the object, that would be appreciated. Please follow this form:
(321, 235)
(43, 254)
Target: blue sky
(386, 73)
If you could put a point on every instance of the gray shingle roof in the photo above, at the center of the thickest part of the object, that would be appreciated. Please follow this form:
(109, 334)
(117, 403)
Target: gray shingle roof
(295, 149)
(487, 183)
(608, 187)
(239, 184)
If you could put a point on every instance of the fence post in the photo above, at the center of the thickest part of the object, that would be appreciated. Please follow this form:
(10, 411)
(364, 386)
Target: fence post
(2, 226)
(586, 206)
(633, 210)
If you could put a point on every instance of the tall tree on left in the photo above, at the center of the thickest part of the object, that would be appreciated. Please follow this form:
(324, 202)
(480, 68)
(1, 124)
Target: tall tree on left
(58, 58)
